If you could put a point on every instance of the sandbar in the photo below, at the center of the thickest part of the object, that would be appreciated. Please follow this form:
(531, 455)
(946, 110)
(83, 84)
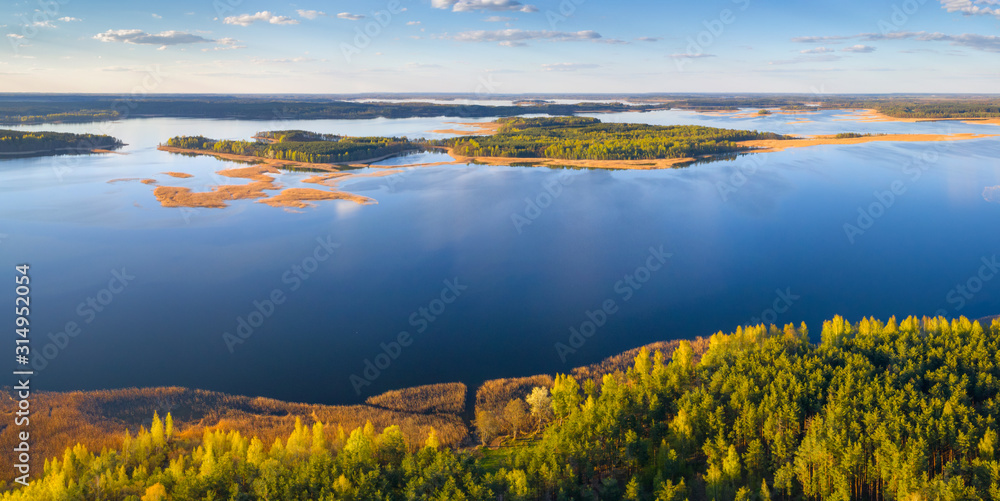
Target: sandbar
(870, 115)
(479, 129)
(182, 175)
(770, 145)
(261, 182)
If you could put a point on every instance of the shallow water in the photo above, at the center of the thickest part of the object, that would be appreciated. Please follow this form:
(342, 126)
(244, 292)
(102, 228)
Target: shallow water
(739, 231)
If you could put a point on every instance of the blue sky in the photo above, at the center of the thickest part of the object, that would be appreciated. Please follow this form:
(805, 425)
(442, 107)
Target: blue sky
(501, 46)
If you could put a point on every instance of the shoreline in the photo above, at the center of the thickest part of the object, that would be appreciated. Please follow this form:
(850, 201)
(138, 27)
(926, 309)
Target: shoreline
(872, 115)
(261, 177)
(756, 146)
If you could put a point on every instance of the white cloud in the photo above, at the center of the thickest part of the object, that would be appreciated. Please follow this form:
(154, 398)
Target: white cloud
(157, 16)
(649, 39)
(987, 43)
(691, 56)
(972, 7)
(15, 35)
(822, 58)
(569, 66)
(498, 19)
(283, 60)
(265, 16)
(165, 39)
(818, 50)
(488, 5)
(861, 49)
(350, 17)
(310, 14)
(518, 38)
(818, 39)
(68, 19)
(413, 23)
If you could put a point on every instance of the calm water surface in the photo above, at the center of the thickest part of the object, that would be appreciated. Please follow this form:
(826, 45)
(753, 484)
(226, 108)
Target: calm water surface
(533, 250)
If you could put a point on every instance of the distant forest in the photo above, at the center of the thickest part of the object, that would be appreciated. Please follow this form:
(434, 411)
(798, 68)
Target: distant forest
(879, 410)
(25, 143)
(579, 138)
(16, 109)
(33, 112)
(302, 146)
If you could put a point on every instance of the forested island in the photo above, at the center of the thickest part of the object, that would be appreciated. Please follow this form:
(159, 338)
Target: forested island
(542, 141)
(874, 410)
(301, 146)
(17, 109)
(579, 138)
(14, 143)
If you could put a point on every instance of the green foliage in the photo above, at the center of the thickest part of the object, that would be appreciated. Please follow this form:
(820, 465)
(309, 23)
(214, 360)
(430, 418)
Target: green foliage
(579, 138)
(302, 146)
(23, 143)
(876, 410)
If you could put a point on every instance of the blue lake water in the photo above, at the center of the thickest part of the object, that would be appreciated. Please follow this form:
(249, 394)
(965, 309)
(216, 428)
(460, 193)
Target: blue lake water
(737, 232)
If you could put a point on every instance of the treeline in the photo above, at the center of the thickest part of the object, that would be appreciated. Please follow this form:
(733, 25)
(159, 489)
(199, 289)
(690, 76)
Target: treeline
(875, 410)
(579, 138)
(248, 108)
(24, 143)
(301, 146)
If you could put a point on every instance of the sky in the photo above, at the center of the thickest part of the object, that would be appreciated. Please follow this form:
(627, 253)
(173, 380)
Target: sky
(488, 47)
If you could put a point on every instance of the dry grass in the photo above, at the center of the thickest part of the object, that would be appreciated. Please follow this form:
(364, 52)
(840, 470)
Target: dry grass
(494, 395)
(181, 175)
(772, 145)
(448, 398)
(98, 419)
(300, 198)
(478, 129)
(127, 179)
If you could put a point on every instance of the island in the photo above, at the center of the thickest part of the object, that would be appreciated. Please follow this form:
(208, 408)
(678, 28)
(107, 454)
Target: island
(17, 143)
(558, 142)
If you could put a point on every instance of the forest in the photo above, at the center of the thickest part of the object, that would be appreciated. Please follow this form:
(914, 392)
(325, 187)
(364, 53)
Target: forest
(873, 410)
(16, 109)
(91, 109)
(26, 143)
(301, 146)
(579, 138)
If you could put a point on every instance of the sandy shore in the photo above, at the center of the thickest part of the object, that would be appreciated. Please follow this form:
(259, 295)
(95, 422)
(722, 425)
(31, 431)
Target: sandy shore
(126, 179)
(662, 163)
(769, 145)
(479, 129)
(262, 181)
(869, 115)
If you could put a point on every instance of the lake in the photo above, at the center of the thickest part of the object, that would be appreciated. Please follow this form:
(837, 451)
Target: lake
(485, 269)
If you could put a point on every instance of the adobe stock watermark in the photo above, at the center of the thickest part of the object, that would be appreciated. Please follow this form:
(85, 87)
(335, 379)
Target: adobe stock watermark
(886, 198)
(88, 310)
(293, 278)
(782, 303)
(381, 19)
(901, 15)
(624, 290)
(963, 292)
(552, 189)
(565, 10)
(420, 320)
(46, 13)
(740, 175)
(714, 29)
(223, 7)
